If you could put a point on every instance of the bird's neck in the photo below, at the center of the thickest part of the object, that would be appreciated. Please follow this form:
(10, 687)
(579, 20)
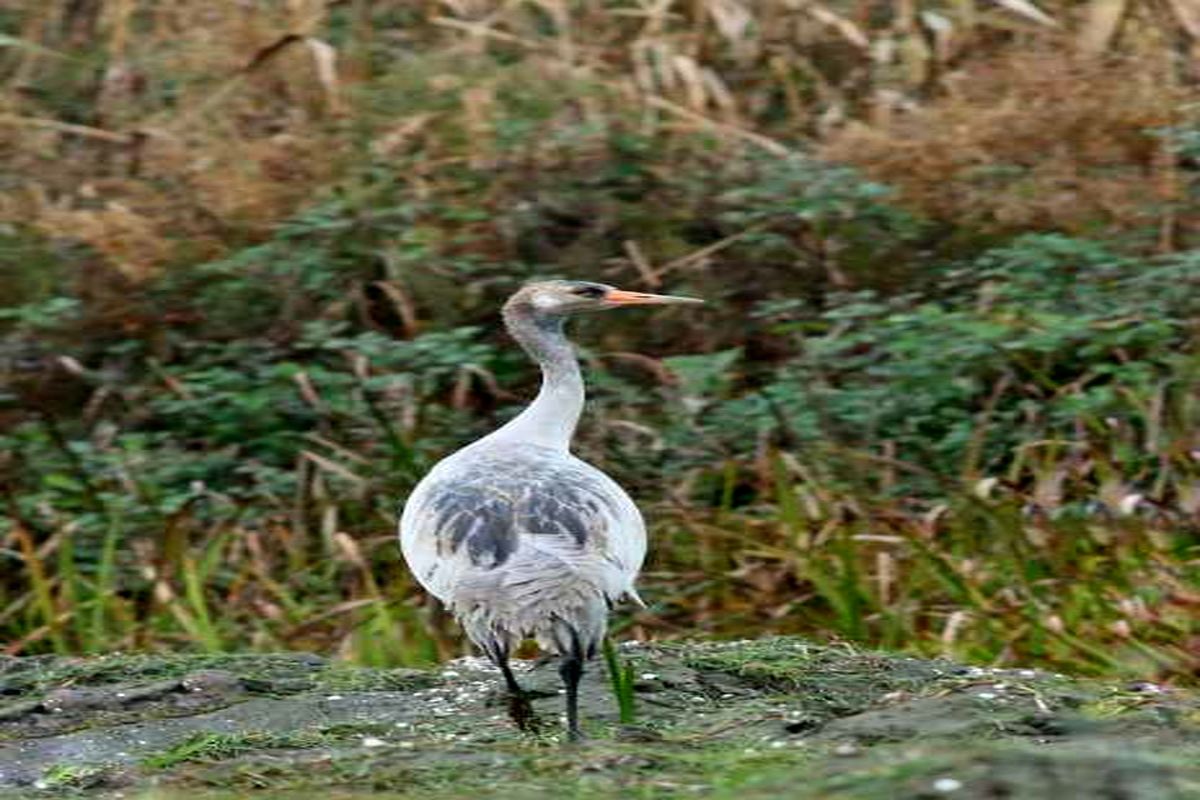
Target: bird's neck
(551, 418)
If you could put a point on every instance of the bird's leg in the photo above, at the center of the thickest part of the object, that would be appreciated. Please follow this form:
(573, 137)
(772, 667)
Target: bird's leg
(520, 710)
(571, 670)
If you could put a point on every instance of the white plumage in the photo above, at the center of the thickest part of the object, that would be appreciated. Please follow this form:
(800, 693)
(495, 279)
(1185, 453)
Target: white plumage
(543, 537)
(516, 536)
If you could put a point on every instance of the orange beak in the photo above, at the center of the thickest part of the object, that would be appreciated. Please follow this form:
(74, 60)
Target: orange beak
(620, 297)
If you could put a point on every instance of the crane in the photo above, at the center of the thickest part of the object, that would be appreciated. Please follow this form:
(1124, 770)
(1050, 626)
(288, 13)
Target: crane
(516, 536)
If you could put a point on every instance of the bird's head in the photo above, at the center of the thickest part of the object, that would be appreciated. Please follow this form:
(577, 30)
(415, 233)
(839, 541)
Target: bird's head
(559, 298)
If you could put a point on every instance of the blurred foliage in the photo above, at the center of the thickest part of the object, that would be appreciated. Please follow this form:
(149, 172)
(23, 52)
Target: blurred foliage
(943, 397)
(1043, 338)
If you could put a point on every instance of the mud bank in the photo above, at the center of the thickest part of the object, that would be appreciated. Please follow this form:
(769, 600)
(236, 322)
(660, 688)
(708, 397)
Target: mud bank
(758, 719)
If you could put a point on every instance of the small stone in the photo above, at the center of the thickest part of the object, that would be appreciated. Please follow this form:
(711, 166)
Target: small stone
(947, 785)
(73, 700)
(1145, 687)
(372, 741)
(211, 681)
(845, 750)
(637, 733)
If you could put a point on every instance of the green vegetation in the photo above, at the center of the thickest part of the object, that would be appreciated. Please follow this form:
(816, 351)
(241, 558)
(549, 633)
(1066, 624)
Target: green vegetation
(71, 777)
(620, 675)
(219, 746)
(943, 397)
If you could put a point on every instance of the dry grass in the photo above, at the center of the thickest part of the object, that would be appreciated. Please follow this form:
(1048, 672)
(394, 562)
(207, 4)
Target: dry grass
(1032, 140)
(160, 133)
(177, 127)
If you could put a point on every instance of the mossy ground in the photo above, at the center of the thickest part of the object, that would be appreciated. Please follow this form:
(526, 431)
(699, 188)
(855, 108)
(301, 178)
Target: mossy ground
(758, 719)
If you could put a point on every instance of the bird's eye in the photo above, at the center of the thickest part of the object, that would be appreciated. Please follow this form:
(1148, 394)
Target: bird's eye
(589, 291)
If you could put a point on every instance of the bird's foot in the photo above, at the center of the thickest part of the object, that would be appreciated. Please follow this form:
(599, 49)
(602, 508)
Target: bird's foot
(520, 710)
(575, 736)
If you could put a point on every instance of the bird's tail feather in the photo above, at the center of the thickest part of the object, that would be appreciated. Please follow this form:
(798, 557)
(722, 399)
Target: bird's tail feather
(579, 637)
(576, 629)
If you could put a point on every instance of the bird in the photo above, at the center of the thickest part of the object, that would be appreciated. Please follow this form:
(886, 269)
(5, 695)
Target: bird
(516, 536)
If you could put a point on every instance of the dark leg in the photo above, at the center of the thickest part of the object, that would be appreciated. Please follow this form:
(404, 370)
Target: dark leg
(571, 670)
(520, 710)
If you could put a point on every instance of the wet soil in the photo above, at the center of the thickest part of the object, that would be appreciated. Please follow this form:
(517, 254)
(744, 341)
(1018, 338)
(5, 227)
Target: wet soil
(756, 719)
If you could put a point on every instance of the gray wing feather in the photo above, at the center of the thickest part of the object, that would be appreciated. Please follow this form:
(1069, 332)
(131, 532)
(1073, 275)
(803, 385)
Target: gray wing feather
(477, 513)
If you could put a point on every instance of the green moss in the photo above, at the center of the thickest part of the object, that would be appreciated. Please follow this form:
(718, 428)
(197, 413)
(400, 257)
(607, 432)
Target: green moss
(726, 721)
(827, 680)
(279, 674)
(600, 769)
(1001, 769)
(780, 664)
(34, 675)
(72, 776)
(222, 746)
(348, 679)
